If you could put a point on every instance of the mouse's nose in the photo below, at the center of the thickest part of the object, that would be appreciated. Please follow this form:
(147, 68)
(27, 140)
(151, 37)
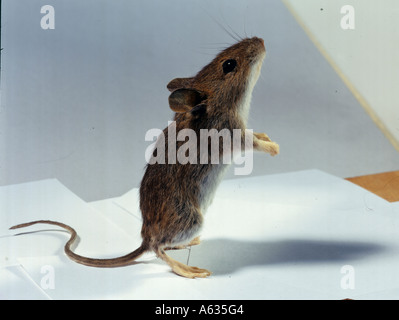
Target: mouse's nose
(256, 39)
(259, 43)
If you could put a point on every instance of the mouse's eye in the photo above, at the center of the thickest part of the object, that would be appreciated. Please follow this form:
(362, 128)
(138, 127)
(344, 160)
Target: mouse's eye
(229, 65)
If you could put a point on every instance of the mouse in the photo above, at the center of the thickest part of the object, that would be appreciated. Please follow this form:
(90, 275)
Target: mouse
(174, 197)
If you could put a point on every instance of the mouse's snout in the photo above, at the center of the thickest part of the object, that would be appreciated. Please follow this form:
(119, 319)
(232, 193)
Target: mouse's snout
(262, 42)
(258, 41)
(256, 46)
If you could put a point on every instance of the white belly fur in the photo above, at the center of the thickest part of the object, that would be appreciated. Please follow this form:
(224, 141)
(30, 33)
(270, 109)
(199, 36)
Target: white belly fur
(210, 184)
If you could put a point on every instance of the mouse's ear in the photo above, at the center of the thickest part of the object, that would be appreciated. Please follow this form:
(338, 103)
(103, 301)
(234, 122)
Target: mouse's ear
(183, 100)
(179, 83)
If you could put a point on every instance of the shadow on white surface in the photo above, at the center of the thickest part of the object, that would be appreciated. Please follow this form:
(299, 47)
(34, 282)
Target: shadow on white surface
(226, 256)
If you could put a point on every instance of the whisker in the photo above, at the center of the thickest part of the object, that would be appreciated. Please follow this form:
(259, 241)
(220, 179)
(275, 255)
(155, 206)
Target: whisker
(216, 46)
(231, 34)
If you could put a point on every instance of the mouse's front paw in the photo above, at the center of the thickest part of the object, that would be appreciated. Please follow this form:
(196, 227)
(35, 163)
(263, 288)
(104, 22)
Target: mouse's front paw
(274, 149)
(262, 136)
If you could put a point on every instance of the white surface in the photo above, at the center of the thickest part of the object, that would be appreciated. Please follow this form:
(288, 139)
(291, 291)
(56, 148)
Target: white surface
(50, 200)
(283, 236)
(366, 55)
(16, 284)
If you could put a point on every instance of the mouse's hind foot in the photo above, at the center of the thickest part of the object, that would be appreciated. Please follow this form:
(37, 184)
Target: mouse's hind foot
(181, 269)
(190, 272)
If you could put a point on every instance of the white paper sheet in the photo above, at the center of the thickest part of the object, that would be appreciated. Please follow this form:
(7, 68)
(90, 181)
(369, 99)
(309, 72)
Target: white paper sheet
(50, 200)
(301, 235)
(16, 284)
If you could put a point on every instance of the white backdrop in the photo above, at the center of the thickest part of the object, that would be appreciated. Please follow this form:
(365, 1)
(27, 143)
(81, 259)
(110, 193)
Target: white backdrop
(76, 101)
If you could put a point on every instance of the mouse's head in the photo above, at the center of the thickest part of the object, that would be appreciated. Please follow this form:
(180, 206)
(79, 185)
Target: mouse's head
(223, 85)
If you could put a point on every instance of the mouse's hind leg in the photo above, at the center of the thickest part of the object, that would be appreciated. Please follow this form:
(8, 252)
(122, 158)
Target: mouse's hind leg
(182, 269)
(194, 242)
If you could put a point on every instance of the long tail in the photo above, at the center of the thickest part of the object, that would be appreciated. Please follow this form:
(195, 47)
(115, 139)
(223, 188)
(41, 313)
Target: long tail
(91, 262)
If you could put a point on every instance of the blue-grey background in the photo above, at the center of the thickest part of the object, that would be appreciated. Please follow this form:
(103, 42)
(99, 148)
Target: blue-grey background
(77, 101)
